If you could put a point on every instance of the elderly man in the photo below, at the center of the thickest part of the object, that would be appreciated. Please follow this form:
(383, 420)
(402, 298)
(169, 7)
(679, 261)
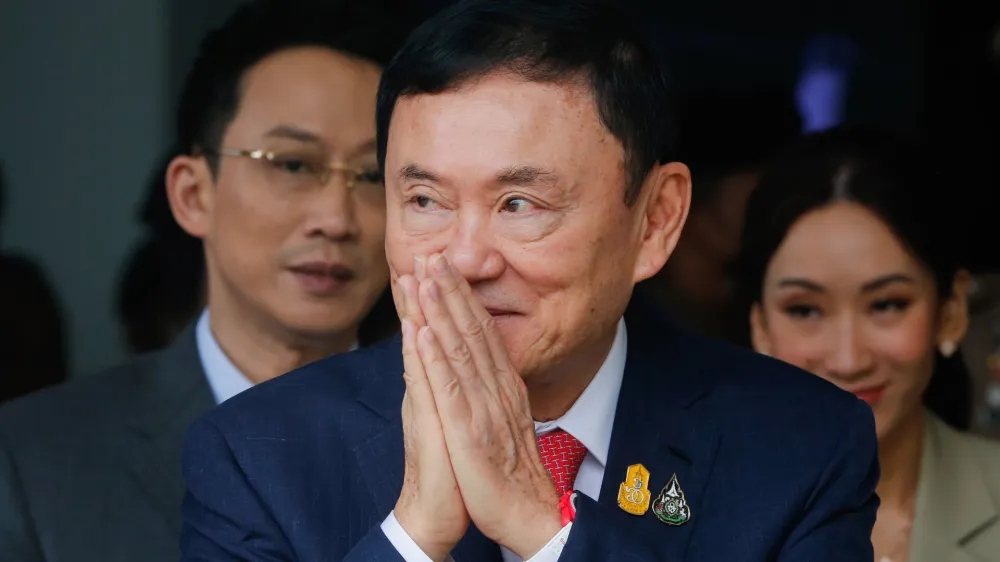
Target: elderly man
(525, 414)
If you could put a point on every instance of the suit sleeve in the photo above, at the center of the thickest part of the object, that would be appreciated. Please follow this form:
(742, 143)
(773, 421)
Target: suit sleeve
(225, 519)
(17, 535)
(837, 524)
(597, 536)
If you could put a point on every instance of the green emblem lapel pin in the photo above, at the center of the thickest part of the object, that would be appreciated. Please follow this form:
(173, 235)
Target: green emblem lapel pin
(671, 506)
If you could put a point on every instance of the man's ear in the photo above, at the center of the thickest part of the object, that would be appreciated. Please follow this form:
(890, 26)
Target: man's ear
(190, 190)
(667, 202)
(759, 337)
(954, 314)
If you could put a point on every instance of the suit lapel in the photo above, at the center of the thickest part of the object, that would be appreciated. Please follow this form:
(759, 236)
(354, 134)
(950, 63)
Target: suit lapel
(661, 422)
(170, 397)
(380, 454)
(953, 497)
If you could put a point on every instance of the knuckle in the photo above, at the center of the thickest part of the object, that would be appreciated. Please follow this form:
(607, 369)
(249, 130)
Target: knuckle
(449, 288)
(459, 354)
(452, 388)
(409, 379)
(473, 328)
(489, 324)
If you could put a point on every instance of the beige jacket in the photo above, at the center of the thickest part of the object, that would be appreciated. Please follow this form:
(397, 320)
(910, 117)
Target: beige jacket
(958, 498)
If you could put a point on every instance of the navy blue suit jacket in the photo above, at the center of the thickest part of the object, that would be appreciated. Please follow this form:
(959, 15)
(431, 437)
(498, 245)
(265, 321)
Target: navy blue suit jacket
(776, 464)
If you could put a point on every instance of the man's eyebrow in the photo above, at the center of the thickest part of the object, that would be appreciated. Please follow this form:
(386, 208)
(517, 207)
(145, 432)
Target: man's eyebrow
(294, 133)
(526, 175)
(413, 172)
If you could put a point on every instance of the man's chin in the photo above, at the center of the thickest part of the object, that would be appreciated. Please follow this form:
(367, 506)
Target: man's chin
(318, 325)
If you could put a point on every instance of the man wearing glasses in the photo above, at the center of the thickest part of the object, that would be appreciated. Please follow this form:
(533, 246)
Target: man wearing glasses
(280, 180)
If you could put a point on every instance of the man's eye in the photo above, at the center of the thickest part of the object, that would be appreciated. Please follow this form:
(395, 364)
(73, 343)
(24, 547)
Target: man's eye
(423, 202)
(516, 205)
(292, 165)
(371, 176)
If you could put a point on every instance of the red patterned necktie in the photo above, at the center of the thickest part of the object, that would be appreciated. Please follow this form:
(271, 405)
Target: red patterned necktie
(562, 455)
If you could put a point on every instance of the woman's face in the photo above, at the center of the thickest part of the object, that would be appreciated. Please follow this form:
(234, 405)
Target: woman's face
(844, 299)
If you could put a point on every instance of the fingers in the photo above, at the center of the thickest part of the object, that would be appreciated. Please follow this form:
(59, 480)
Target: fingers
(450, 400)
(459, 334)
(498, 350)
(408, 286)
(397, 297)
(418, 389)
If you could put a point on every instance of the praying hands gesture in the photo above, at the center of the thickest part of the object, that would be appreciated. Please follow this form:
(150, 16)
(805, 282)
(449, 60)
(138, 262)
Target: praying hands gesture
(469, 437)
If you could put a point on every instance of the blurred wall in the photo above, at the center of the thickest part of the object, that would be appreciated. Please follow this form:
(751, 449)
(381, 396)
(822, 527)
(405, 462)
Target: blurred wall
(189, 21)
(88, 91)
(82, 120)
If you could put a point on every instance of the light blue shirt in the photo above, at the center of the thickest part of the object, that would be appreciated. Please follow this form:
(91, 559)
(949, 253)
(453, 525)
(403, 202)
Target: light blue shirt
(223, 377)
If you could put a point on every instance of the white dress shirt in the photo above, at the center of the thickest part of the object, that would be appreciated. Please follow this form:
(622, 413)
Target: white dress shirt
(223, 377)
(590, 420)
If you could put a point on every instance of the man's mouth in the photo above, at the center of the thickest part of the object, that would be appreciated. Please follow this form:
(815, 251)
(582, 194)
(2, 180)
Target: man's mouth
(322, 278)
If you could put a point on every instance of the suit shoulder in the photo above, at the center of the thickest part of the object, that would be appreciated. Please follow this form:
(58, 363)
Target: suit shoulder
(984, 451)
(65, 411)
(776, 393)
(328, 384)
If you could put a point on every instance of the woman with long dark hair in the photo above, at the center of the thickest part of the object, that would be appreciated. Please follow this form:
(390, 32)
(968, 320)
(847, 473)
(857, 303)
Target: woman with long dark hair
(851, 276)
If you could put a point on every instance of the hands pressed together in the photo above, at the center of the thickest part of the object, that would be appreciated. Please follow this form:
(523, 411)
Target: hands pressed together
(469, 437)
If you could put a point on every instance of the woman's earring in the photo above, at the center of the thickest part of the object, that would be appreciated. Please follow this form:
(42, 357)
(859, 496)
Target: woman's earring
(947, 348)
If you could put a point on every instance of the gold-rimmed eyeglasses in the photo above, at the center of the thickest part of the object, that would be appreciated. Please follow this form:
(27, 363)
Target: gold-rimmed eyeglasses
(304, 170)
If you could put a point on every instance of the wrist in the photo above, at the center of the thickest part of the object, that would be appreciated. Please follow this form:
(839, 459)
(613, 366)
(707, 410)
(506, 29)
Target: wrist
(430, 543)
(537, 532)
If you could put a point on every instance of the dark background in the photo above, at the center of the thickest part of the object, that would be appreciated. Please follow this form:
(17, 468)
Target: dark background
(86, 111)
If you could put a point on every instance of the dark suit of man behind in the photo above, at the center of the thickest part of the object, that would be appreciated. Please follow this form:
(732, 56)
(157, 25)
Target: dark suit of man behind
(529, 186)
(87, 469)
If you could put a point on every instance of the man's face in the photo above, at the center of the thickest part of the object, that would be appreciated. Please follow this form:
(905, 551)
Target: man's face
(521, 186)
(286, 247)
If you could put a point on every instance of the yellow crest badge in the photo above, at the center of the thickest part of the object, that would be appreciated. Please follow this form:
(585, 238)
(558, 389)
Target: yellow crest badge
(633, 493)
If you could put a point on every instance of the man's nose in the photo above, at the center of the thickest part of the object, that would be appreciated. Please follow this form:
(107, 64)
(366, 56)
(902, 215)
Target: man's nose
(331, 212)
(472, 250)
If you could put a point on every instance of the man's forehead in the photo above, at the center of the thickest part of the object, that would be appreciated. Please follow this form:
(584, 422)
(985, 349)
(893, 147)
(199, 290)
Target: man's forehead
(309, 95)
(500, 115)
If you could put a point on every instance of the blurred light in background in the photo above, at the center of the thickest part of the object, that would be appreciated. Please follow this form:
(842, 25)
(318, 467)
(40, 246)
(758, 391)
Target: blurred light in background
(821, 90)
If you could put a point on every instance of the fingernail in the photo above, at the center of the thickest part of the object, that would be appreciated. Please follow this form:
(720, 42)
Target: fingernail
(441, 265)
(418, 267)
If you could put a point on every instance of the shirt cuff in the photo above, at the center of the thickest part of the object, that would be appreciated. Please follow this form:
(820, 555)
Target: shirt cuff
(402, 542)
(551, 551)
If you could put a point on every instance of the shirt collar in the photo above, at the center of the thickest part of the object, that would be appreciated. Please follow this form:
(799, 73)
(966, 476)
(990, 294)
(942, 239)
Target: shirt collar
(592, 415)
(223, 377)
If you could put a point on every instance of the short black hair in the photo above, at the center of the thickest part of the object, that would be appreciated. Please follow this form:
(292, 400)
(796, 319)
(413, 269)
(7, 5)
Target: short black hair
(367, 29)
(544, 41)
